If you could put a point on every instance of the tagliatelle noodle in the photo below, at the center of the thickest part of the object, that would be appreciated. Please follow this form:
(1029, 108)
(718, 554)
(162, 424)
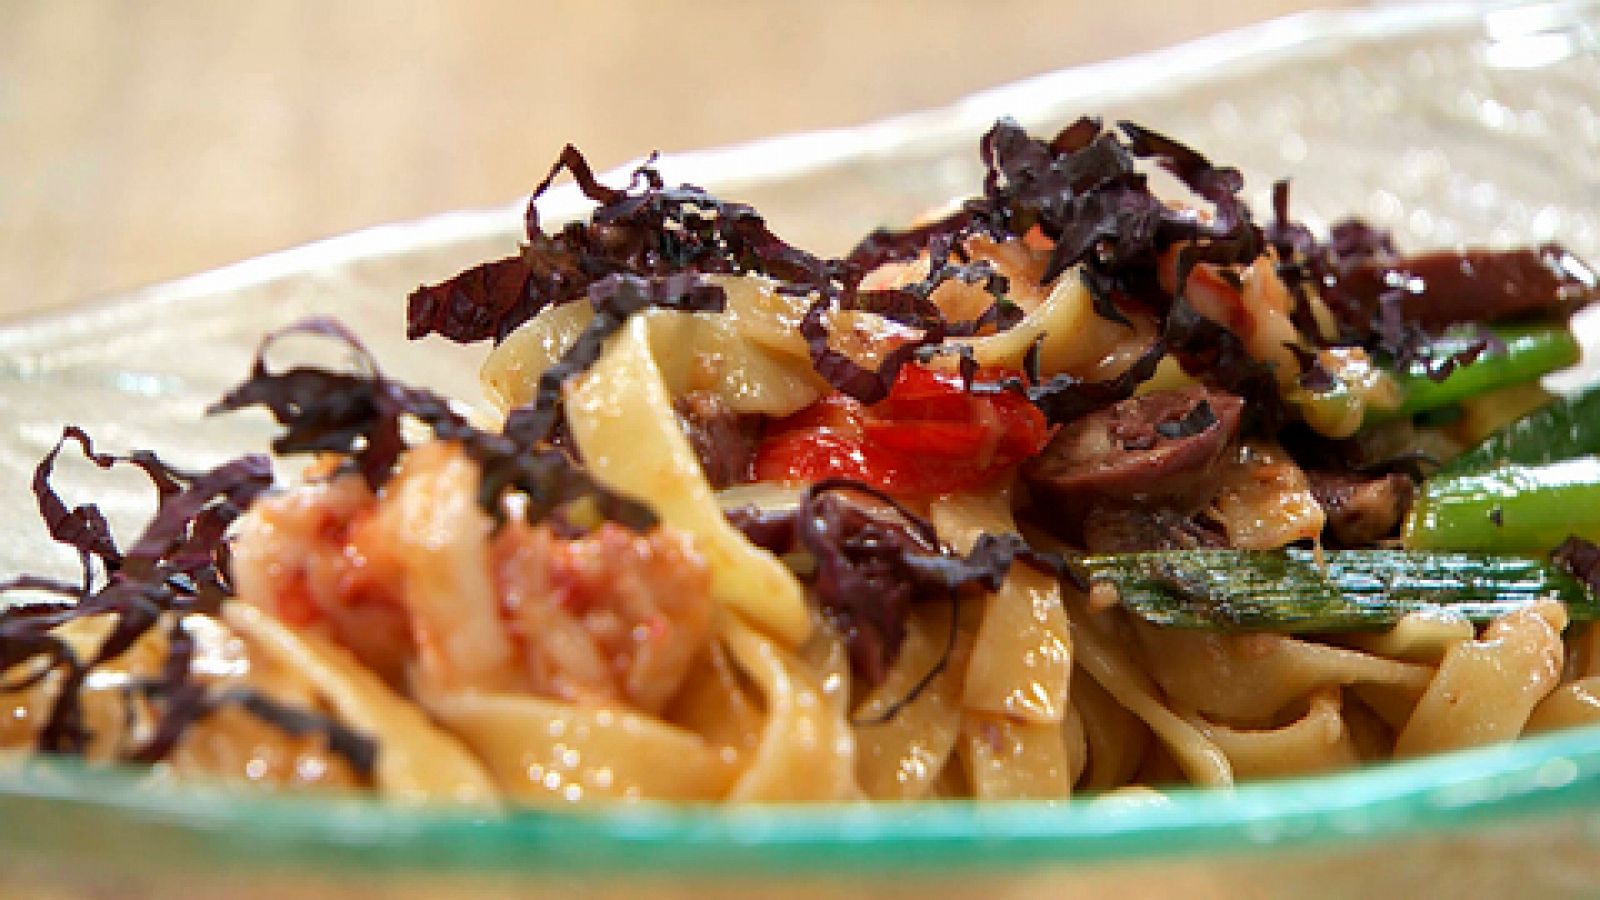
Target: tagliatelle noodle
(903, 757)
(1250, 678)
(549, 753)
(620, 413)
(1486, 689)
(1020, 665)
(1100, 655)
(1011, 760)
(720, 706)
(226, 743)
(1569, 705)
(1072, 338)
(751, 354)
(1317, 741)
(1424, 637)
(103, 704)
(1115, 739)
(417, 762)
(807, 750)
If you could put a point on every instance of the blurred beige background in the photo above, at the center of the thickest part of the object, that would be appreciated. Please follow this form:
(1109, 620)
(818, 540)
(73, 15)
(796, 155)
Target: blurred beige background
(140, 141)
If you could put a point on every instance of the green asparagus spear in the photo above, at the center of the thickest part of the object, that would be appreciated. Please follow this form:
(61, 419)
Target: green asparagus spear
(1287, 591)
(1530, 351)
(1562, 429)
(1508, 509)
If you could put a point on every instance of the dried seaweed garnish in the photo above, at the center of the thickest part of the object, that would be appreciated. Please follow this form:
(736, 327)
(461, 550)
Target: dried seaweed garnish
(1581, 559)
(1219, 184)
(885, 245)
(177, 566)
(188, 703)
(1101, 288)
(359, 414)
(1084, 191)
(354, 413)
(909, 305)
(1196, 420)
(1081, 190)
(1386, 329)
(647, 231)
(845, 374)
(1304, 261)
(1065, 397)
(1298, 253)
(1203, 347)
(615, 298)
(486, 301)
(1314, 376)
(1409, 347)
(873, 565)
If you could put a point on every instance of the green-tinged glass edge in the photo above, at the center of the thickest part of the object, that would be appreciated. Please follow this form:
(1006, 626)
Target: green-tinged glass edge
(227, 829)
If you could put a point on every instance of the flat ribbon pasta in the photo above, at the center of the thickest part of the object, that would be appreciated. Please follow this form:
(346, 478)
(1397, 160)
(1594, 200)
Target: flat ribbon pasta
(1486, 689)
(511, 372)
(807, 751)
(1424, 636)
(1249, 678)
(1571, 704)
(620, 412)
(550, 753)
(1011, 760)
(1102, 657)
(1116, 739)
(1315, 742)
(228, 742)
(751, 354)
(902, 758)
(1021, 661)
(417, 762)
(103, 703)
(1071, 337)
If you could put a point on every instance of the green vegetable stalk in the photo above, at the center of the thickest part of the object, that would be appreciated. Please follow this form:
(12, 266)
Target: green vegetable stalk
(1562, 429)
(1295, 591)
(1510, 508)
(1530, 352)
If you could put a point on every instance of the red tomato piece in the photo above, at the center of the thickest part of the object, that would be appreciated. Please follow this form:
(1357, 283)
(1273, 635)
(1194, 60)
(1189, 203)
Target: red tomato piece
(929, 436)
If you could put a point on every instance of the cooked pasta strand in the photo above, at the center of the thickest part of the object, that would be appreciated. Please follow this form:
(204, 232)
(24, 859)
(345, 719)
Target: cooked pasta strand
(1021, 661)
(621, 415)
(902, 758)
(1486, 689)
(807, 750)
(417, 762)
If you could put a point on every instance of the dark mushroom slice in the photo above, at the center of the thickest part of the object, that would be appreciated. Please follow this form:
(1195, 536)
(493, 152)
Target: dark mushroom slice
(1454, 287)
(1150, 447)
(723, 440)
(1361, 509)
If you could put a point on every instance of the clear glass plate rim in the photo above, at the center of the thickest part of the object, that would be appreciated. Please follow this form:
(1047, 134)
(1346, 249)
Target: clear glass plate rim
(1545, 774)
(1542, 774)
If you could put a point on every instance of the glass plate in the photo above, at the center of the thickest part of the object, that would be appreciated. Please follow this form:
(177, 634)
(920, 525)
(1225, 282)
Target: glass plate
(1447, 123)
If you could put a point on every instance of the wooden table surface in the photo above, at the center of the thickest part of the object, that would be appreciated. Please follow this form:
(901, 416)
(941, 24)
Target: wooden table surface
(142, 141)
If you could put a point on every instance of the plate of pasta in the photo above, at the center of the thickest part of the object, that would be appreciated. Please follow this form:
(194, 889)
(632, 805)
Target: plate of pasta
(1182, 498)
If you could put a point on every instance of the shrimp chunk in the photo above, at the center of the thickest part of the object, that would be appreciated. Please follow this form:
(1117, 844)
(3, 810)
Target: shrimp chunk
(313, 557)
(608, 617)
